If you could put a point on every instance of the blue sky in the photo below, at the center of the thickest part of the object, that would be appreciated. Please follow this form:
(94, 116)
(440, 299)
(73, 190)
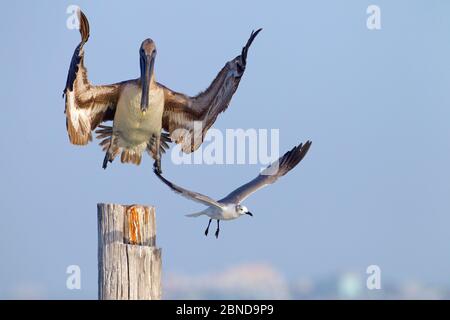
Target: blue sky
(374, 188)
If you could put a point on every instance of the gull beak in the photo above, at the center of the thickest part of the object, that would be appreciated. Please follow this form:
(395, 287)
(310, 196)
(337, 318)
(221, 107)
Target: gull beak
(147, 62)
(249, 213)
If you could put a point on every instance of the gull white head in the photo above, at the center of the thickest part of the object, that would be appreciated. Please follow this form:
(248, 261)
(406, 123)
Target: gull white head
(241, 210)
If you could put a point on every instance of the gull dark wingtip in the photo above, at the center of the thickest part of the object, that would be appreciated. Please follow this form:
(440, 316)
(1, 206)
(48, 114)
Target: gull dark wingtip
(167, 182)
(292, 158)
(301, 151)
(155, 171)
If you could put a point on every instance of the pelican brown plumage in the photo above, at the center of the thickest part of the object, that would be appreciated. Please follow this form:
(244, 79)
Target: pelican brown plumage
(146, 115)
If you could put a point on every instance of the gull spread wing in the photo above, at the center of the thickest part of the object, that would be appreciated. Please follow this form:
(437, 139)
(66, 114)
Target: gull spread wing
(269, 175)
(86, 105)
(198, 197)
(181, 111)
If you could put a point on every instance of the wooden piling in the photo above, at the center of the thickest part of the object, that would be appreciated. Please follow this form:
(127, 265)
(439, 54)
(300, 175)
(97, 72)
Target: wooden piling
(129, 263)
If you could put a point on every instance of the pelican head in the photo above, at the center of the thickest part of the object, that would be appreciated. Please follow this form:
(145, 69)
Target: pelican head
(147, 54)
(243, 210)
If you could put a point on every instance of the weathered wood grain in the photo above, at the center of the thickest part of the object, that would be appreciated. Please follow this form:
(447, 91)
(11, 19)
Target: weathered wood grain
(129, 263)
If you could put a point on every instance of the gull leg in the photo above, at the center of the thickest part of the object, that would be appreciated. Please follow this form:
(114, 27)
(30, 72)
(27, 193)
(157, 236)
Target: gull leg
(218, 229)
(207, 228)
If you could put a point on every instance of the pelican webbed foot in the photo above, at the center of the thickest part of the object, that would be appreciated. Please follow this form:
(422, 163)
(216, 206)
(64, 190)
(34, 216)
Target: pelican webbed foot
(157, 166)
(106, 159)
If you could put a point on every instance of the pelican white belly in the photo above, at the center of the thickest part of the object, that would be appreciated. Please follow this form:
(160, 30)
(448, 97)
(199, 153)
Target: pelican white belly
(131, 126)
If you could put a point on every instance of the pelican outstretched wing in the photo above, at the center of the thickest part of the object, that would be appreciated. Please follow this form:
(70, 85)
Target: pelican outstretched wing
(86, 105)
(187, 119)
(269, 175)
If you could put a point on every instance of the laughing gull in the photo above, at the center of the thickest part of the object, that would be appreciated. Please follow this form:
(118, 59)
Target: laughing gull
(230, 207)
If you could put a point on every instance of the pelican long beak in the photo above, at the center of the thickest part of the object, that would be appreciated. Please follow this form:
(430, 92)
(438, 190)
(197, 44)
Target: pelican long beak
(147, 63)
(249, 213)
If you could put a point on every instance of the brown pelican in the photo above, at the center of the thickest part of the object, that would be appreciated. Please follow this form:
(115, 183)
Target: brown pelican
(146, 115)
(230, 207)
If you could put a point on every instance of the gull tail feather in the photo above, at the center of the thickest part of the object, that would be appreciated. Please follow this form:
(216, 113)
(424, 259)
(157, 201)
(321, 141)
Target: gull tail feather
(194, 215)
